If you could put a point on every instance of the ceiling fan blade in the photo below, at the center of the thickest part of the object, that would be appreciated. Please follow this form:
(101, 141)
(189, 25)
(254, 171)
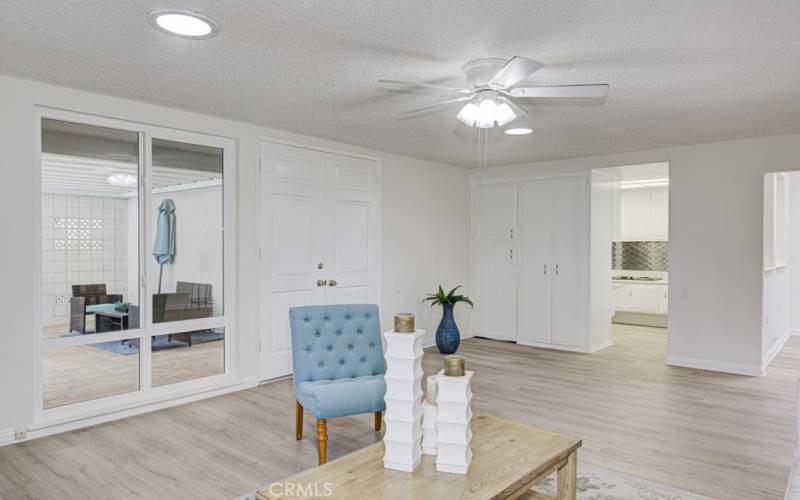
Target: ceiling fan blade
(516, 108)
(591, 90)
(423, 85)
(438, 105)
(515, 70)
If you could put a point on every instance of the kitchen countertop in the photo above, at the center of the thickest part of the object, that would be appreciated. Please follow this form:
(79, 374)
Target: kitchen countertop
(640, 274)
(639, 282)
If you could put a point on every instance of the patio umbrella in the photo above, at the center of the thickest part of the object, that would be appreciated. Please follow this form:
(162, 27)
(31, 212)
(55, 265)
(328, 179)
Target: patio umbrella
(164, 247)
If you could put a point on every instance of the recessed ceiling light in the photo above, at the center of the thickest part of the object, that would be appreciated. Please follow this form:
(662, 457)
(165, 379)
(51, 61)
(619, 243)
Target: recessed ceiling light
(183, 23)
(519, 131)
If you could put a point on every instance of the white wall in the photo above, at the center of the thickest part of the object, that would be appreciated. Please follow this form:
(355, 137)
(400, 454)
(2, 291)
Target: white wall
(425, 201)
(424, 239)
(715, 230)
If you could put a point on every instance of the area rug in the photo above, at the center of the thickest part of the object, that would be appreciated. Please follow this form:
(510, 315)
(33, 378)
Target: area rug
(160, 342)
(598, 483)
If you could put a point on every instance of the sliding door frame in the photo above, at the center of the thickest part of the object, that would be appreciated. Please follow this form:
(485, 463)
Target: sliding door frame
(146, 394)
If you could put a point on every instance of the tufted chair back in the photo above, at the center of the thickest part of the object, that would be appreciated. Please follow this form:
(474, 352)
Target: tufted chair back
(335, 341)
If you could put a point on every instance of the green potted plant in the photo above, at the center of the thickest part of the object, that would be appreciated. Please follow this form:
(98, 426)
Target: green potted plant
(447, 335)
(121, 306)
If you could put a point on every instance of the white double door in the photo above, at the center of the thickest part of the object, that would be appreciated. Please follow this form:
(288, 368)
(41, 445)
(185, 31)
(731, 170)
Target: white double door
(319, 239)
(553, 263)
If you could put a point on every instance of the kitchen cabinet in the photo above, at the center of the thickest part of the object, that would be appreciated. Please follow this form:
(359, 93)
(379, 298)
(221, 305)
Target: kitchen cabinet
(663, 299)
(644, 214)
(648, 298)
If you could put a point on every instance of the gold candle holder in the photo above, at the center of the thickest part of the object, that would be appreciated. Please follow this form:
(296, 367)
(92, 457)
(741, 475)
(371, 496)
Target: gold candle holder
(454, 365)
(404, 323)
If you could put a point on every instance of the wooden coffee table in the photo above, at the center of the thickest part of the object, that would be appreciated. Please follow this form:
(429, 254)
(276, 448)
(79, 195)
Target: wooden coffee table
(508, 459)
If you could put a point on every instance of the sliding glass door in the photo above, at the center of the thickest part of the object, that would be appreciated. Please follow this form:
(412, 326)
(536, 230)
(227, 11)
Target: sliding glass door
(135, 273)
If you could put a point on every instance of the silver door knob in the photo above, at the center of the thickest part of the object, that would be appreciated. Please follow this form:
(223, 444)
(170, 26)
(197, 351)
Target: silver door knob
(322, 282)
(332, 283)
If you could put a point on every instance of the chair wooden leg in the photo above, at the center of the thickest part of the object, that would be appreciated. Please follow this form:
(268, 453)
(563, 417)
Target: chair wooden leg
(378, 418)
(298, 421)
(322, 440)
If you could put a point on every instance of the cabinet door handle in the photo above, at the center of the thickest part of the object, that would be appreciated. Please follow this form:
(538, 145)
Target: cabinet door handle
(512, 233)
(322, 282)
(556, 269)
(332, 283)
(511, 254)
(545, 269)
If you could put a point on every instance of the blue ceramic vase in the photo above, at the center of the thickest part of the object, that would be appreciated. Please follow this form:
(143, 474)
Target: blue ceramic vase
(447, 336)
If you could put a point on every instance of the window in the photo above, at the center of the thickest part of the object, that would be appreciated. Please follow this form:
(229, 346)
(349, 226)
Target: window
(131, 212)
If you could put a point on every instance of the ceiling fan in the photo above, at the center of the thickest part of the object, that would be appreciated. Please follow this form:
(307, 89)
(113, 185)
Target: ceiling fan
(490, 100)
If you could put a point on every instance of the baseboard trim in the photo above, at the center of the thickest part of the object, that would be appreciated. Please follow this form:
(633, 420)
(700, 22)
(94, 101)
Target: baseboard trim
(600, 347)
(7, 436)
(715, 366)
(776, 348)
(555, 347)
(43, 429)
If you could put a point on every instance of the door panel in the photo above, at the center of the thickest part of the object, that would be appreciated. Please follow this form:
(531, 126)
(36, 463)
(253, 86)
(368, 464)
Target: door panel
(534, 264)
(569, 243)
(494, 277)
(292, 187)
(352, 239)
(494, 211)
(643, 298)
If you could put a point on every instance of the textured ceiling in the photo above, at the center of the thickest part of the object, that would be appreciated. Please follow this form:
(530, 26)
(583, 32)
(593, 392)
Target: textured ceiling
(681, 72)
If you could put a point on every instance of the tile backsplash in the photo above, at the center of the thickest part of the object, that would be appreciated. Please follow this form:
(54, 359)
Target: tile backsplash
(639, 255)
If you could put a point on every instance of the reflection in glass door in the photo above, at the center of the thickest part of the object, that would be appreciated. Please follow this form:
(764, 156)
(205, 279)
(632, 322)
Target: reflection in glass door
(104, 245)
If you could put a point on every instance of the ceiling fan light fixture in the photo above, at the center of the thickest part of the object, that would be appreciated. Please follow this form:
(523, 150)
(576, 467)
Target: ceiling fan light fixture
(468, 114)
(486, 114)
(503, 114)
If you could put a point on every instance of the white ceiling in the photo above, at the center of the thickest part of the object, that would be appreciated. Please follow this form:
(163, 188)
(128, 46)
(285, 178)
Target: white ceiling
(682, 71)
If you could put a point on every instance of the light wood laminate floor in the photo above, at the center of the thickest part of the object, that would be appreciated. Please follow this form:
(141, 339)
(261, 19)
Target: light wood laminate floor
(725, 436)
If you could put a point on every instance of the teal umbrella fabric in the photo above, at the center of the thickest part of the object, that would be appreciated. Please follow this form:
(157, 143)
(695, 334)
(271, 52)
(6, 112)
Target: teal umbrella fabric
(164, 246)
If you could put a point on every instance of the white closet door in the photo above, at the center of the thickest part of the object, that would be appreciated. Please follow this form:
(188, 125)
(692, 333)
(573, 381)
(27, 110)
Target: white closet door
(569, 241)
(318, 245)
(494, 212)
(494, 282)
(293, 186)
(535, 268)
(351, 209)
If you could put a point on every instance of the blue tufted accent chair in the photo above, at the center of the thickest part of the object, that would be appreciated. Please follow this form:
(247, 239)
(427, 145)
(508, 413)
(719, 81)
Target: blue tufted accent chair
(338, 365)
